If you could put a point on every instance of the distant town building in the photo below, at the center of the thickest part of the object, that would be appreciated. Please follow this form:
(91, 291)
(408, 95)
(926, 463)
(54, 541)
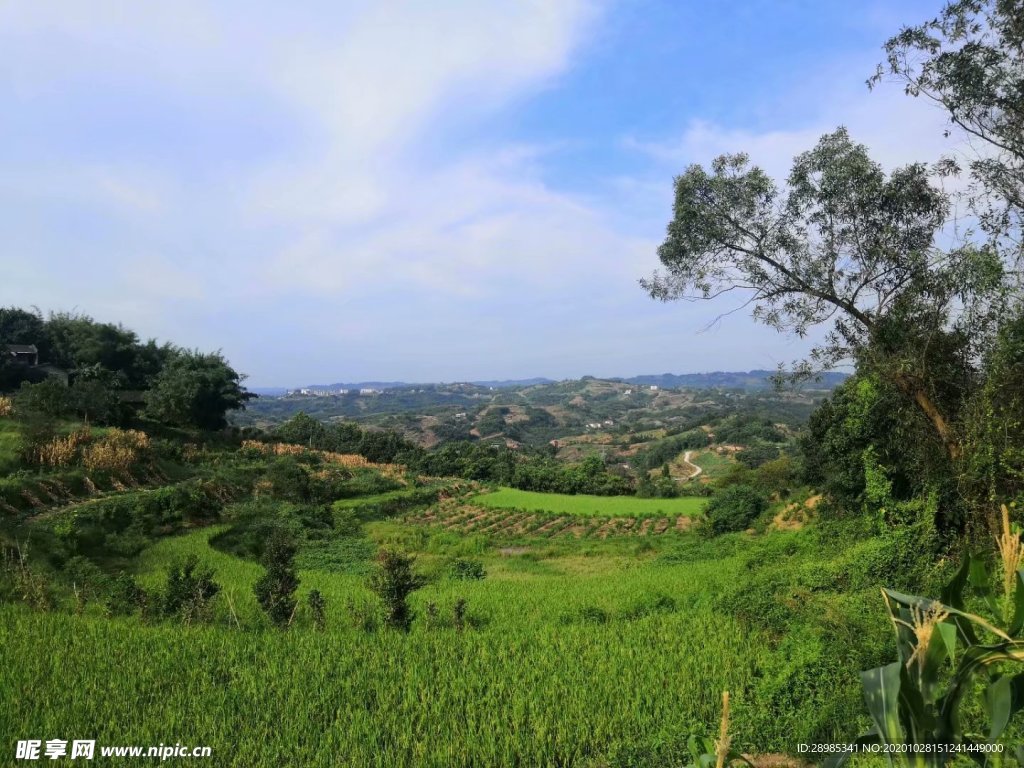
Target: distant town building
(317, 392)
(654, 387)
(628, 392)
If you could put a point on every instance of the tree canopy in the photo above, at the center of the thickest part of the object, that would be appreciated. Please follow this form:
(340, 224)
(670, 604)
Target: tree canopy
(196, 390)
(841, 244)
(968, 61)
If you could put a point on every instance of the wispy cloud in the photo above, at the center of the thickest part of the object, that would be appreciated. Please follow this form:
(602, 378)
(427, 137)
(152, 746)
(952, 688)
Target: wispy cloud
(332, 190)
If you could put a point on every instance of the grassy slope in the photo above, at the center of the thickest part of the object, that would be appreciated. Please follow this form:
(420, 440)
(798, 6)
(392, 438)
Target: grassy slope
(579, 652)
(10, 446)
(590, 506)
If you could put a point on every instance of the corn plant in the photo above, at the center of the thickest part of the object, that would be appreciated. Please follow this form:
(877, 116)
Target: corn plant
(915, 702)
(715, 753)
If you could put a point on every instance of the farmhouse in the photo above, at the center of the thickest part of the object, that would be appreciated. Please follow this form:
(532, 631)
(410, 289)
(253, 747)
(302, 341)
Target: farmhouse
(27, 357)
(26, 354)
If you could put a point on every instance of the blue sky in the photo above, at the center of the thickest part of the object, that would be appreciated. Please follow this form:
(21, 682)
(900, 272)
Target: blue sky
(333, 191)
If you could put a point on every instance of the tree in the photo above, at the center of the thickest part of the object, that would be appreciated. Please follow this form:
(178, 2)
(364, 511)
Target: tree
(843, 245)
(18, 327)
(196, 390)
(49, 400)
(275, 590)
(393, 581)
(968, 61)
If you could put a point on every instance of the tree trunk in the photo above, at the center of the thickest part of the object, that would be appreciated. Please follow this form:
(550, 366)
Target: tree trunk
(938, 421)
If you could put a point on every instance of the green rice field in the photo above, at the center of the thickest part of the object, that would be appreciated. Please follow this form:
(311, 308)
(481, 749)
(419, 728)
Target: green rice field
(596, 654)
(590, 506)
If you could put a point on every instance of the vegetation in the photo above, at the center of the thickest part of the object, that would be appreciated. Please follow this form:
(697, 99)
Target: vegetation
(735, 508)
(611, 506)
(569, 573)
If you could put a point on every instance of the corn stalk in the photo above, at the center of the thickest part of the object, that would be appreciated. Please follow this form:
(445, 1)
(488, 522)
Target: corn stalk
(915, 702)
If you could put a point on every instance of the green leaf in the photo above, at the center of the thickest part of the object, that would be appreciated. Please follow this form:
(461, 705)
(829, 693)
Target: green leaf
(840, 759)
(953, 593)
(935, 654)
(948, 633)
(881, 694)
(1003, 699)
(1018, 605)
(974, 660)
(998, 698)
(982, 584)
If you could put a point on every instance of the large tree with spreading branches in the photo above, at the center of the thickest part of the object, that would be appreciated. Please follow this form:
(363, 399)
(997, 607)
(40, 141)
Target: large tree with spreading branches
(844, 245)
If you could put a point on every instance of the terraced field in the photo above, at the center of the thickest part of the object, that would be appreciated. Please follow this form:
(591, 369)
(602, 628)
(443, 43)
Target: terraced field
(581, 505)
(470, 516)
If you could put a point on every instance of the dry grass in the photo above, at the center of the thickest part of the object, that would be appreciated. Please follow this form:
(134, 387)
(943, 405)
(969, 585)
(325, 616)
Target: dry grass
(6, 406)
(348, 460)
(61, 451)
(117, 451)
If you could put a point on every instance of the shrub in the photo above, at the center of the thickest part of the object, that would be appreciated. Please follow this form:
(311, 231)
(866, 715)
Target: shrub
(459, 614)
(318, 608)
(393, 581)
(734, 508)
(87, 581)
(275, 590)
(126, 596)
(288, 480)
(6, 406)
(190, 590)
(465, 569)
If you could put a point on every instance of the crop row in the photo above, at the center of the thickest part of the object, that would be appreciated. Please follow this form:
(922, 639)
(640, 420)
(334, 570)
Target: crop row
(467, 518)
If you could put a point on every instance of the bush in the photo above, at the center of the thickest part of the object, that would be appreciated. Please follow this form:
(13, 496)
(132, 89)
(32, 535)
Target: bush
(318, 608)
(734, 509)
(466, 570)
(190, 590)
(275, 590)
(126, 597)
(288, 479)
(394, 581)
(86, 579)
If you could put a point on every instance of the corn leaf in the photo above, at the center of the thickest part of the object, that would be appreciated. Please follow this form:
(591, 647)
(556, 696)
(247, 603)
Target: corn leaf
(882, 694)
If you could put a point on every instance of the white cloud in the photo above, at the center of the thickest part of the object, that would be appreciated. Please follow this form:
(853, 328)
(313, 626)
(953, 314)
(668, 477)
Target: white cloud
(315, 172)
(896, 129)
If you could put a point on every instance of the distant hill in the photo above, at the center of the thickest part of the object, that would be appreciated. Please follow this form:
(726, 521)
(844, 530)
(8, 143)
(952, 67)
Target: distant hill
(757, 379)
(745, 380)
(268, 391)
(501, 383)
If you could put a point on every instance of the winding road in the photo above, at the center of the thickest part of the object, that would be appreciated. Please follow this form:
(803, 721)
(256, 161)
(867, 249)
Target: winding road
(696, 470)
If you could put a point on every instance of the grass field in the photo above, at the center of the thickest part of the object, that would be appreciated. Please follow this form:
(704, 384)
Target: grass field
(10, 446)
(594, 654)
(573, 650)
(590, 506)
(714, 464)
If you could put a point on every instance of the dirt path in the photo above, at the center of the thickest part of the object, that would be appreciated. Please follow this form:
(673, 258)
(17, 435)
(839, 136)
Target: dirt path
(696, 470)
